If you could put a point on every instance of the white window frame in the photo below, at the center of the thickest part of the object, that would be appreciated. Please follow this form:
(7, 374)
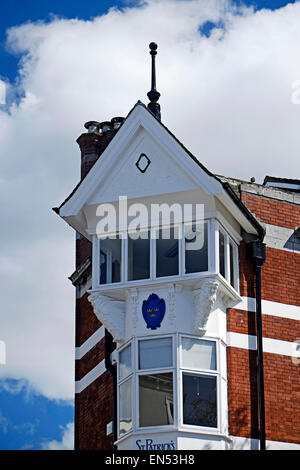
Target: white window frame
(210, 253)
(200, 372)
(180, 261)
(213, 228)
(153, 371)
(125, 255)
(228, 240)
(131, 376)
(177, 370)
(153, 277)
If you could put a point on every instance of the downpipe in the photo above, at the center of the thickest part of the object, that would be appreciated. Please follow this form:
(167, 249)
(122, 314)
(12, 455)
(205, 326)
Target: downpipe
(113, 371)
(259, 257)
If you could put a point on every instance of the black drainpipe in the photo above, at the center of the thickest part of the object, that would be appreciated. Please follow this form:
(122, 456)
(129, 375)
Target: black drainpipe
(113, 371)
(259, 257)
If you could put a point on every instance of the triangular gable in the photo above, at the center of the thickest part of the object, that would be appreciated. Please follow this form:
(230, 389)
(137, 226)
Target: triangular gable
(142, 131)
(172, 167)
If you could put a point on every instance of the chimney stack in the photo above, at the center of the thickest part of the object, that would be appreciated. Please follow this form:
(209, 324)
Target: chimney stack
(93, 143)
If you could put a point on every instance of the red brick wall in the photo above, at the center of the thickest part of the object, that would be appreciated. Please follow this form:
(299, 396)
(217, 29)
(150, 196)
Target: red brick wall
(284, 329)
(83, 250)
(93, 411)
(86, 321)
(94, 405)
(281, 277)
(93, 357)
(283, 214)
(282, 396)
(280, 283)
(242, 393)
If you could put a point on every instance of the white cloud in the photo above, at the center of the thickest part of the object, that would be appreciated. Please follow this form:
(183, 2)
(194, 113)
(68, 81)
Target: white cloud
(67, 440)
(2, 92)
(226, 97)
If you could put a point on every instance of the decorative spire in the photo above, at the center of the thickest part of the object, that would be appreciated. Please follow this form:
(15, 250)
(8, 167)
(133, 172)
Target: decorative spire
(153, 94)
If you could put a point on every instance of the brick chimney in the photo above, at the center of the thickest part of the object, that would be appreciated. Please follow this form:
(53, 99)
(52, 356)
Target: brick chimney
(93, 143)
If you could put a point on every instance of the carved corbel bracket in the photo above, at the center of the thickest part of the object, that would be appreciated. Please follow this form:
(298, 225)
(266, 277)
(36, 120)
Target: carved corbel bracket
(205, 296)
(111, 313)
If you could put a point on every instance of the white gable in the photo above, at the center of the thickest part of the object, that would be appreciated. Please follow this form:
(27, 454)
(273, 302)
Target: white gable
(171, 170)
(163, 174)
(115, 172)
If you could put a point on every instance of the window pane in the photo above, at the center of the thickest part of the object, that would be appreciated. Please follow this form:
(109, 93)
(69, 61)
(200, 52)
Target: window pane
(198, 354)
(155, 353)
(196, 253)
(125, 411)
(200, 400)
(125, 362)
(139, 257)
(156, 399)
(110, 260)
(167, 252)
(222, 253)
(232, 273)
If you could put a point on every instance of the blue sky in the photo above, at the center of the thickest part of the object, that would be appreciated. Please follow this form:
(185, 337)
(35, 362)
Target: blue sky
(16, 12)
(35, 411)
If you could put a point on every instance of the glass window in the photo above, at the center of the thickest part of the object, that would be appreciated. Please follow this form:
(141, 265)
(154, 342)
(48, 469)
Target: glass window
(222, 253)
(156, 399)
(110, 260)
(125, 407)
(167, 252)
(196, 253)
(200, 400)
(198, 354)
(139, 257)
(155, 353)
(232, 269)
(125, 362)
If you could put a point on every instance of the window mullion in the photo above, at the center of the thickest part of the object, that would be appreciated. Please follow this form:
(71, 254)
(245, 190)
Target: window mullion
(152, 253)
(95, 263)
(236, 269)
(124, 257)
(227, 258)
(213, 246)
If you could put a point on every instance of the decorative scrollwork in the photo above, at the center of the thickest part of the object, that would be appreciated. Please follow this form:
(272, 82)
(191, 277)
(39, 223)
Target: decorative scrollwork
(111, 313)
(204, 299)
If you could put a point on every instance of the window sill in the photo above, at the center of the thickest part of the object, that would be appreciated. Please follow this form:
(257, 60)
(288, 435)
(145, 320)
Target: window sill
(188, 281)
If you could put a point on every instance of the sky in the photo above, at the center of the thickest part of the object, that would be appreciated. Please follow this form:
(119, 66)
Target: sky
(229, 77)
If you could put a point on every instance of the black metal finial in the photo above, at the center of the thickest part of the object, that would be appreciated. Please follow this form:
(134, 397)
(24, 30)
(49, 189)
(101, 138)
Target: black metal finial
(153, 94)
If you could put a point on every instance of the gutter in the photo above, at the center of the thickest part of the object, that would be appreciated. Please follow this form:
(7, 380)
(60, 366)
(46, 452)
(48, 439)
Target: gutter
(260, 230)
(113, 371)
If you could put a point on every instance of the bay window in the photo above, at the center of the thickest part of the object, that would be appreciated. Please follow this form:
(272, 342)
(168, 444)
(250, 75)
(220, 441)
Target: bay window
(203, 249)
(160, 388)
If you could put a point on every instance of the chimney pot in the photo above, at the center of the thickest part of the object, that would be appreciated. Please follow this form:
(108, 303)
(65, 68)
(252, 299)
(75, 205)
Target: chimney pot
(92, 126)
